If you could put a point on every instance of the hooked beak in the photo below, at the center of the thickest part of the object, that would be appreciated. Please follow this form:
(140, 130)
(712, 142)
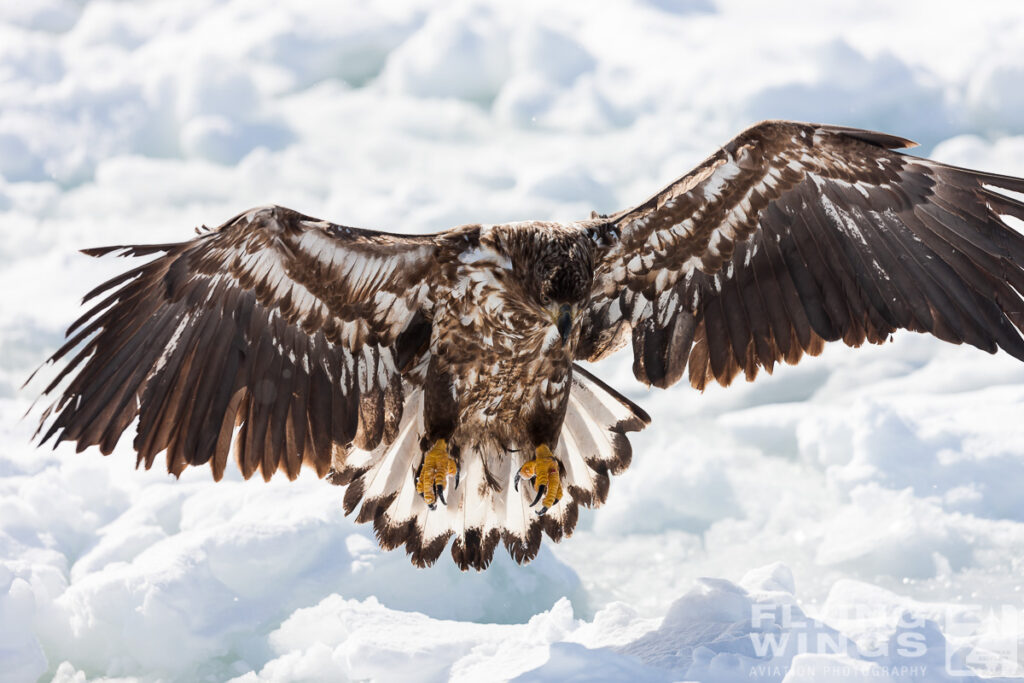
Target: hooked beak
(564, 322)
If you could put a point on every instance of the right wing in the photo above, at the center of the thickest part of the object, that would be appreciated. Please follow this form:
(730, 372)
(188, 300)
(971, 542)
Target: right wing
(796, 234)
(295, 330)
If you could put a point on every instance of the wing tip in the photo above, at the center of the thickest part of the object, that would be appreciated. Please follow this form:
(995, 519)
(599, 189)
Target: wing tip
(873, 137)
(96, 252)
(128, 249)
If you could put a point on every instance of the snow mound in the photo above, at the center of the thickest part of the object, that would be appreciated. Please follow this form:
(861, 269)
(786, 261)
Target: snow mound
(718, 631)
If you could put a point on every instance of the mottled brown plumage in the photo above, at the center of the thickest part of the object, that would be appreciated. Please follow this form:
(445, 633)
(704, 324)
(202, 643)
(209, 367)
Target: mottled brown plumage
(286, 340)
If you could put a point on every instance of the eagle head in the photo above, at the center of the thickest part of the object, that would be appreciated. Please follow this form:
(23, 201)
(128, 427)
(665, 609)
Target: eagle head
(561, 278)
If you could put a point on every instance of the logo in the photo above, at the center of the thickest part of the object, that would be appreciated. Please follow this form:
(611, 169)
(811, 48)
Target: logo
(887, 640)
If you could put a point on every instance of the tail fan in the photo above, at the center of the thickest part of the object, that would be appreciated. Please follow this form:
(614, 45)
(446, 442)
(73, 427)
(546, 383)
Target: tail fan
(485, 509)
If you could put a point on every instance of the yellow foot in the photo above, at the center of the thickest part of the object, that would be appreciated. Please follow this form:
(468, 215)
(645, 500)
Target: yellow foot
(542, 472)
(433, 474)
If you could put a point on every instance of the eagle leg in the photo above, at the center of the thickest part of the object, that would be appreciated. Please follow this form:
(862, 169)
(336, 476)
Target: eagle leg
(543, 473)
(434, 472)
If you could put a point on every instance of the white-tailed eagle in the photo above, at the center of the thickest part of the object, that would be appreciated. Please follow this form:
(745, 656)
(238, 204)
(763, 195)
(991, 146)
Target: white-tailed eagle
(435, 375)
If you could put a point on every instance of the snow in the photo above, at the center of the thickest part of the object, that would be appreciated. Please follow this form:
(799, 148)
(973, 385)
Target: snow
(857, 517)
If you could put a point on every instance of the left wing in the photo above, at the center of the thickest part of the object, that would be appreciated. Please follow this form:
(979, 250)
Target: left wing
(795, 234)
(293, 332)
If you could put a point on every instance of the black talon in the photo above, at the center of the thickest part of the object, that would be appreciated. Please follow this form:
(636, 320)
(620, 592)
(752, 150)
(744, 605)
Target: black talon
(540, 494)
(458, 471)
(439, 492)
(516, 482)
(542, 510)
(432, 506)
(416, 476)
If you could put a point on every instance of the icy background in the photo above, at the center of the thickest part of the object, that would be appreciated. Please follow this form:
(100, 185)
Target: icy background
(873, 496)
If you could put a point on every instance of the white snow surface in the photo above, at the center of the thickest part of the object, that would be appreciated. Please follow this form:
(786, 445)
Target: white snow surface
(859, 517)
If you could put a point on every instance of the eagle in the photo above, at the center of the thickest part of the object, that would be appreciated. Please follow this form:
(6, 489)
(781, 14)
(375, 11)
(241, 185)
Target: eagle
(437, 377)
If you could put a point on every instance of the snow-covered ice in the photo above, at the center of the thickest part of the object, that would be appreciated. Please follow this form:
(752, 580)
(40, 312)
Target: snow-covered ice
(858, 517)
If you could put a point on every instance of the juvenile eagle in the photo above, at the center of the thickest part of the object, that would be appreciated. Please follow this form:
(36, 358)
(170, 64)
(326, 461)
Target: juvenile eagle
(435, 375)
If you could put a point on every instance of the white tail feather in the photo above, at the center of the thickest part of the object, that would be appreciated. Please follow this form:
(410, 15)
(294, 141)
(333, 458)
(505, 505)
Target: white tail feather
(485, 507)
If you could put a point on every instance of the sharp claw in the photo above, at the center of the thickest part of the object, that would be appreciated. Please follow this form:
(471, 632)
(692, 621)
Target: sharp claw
(458, 471)
(516, 481)
(542, 510)
(439, 492)
(432, 506)
(540, 494)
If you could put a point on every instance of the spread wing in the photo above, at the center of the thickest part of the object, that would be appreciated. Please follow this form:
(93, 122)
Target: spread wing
(294, 330)
(796, 234)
